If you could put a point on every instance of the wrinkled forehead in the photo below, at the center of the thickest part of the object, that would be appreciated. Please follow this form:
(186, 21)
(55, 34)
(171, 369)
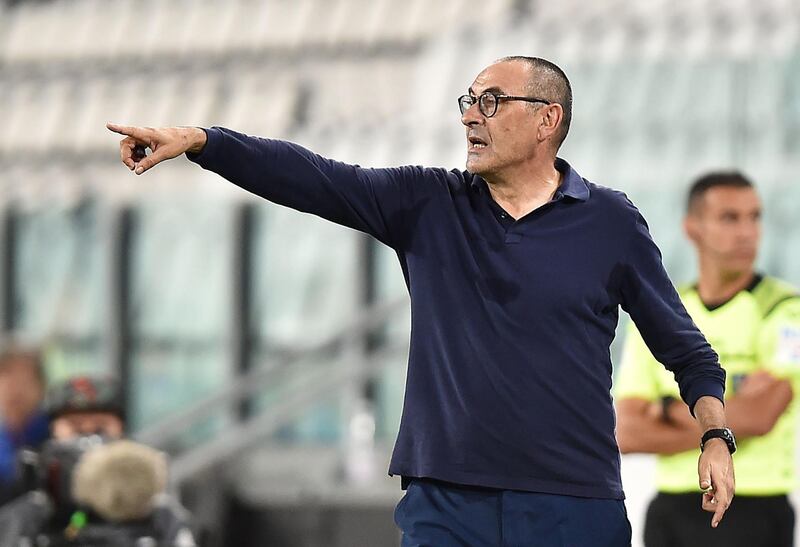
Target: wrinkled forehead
(508, 77)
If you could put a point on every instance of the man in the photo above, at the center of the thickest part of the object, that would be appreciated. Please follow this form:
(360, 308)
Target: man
(117, 478)
(23, 423)
(86, 405)
(516, 268)
(753, 321)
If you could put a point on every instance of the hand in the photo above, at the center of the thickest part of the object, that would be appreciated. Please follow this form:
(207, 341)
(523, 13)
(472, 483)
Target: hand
(755, 382)
(164, 142)
(715, 470)
(654, 411)
(678, 413)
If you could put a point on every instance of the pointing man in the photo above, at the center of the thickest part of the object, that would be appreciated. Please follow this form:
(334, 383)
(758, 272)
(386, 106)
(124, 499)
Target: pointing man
(516, 269)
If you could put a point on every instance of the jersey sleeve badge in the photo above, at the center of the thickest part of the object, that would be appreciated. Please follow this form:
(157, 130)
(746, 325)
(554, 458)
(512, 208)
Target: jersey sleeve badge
(787, 349)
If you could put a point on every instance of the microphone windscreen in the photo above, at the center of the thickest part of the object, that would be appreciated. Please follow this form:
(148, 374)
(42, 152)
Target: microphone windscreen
(120, 480)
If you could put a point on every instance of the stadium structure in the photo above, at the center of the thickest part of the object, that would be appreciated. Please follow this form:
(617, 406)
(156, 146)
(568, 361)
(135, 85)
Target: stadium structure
(265, 349)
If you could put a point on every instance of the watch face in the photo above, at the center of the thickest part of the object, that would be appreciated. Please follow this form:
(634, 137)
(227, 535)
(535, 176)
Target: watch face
(730, 438)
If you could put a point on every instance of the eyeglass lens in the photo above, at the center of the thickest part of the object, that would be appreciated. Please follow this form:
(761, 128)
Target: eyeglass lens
(487, 104)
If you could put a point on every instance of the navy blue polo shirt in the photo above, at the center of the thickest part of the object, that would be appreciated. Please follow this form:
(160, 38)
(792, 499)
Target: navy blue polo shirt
(509, 371)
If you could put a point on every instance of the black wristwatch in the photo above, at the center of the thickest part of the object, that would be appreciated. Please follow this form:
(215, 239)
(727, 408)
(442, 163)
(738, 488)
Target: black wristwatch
(666, 402)
(723, 433)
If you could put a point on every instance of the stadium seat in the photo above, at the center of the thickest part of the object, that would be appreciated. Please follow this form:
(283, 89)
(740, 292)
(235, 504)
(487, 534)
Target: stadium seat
(663, 91)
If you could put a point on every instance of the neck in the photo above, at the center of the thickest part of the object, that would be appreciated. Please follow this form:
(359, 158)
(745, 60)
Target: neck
(521, 191)
(717, 285)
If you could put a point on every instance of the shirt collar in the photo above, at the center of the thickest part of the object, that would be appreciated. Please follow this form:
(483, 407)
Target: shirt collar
(757, 278)
(572, 184)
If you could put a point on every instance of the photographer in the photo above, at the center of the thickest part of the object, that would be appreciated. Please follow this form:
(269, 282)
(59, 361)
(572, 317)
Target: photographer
(90, 487)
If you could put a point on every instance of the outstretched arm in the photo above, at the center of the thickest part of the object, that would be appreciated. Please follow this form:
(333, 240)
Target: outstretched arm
(385, 203)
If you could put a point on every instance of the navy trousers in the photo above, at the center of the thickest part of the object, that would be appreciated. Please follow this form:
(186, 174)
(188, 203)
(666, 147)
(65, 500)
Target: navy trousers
(437, 514)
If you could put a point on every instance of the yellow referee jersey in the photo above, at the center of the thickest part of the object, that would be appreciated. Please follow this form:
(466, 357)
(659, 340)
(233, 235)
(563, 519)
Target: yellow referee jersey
(758, 329)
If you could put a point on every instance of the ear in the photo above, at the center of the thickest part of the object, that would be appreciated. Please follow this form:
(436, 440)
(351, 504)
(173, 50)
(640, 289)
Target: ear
(552, 115)
(690, 228)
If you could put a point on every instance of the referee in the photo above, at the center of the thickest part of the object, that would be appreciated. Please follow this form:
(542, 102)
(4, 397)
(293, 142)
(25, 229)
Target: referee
(516, 269)
(753, 321)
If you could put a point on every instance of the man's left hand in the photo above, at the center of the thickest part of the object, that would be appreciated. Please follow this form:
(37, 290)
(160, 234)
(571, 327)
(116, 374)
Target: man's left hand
(715, 470)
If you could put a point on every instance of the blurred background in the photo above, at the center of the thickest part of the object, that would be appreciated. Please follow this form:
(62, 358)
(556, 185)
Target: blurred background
(265, 349)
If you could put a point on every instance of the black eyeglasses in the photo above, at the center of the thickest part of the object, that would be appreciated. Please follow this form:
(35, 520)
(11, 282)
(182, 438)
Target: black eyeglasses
(487, 102)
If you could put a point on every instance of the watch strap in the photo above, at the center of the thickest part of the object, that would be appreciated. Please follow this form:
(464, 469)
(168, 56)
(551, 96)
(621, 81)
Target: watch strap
(723, 433)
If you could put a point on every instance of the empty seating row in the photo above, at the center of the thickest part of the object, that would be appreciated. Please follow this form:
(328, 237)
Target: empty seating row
(80, 30)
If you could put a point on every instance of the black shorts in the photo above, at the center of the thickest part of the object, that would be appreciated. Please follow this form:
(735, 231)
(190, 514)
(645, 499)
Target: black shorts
(677, 520)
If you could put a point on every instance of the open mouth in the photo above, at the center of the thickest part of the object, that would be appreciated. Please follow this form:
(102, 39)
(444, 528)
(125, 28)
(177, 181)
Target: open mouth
(476, 142)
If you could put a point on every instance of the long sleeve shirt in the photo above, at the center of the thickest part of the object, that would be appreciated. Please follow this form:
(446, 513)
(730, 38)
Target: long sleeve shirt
(509, 371)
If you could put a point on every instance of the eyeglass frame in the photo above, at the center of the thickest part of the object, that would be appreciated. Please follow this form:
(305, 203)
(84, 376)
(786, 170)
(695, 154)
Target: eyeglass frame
(497, 97)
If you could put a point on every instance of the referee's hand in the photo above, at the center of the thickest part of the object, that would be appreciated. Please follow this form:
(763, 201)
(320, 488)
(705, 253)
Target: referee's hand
(164, 143)
(717, 481)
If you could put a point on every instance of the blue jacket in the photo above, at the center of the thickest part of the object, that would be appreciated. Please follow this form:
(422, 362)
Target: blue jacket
(35, 432)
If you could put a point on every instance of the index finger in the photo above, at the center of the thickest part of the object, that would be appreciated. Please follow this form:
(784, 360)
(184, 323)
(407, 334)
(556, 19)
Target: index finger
(135, 132)
(723, 502)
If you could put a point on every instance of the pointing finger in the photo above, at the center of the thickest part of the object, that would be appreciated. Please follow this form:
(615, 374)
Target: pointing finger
(138, 133)
(722, 501)
(721, 508)
(717, 502)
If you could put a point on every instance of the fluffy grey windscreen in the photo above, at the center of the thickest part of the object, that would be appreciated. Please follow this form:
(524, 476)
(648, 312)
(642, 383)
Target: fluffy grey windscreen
(120, 480)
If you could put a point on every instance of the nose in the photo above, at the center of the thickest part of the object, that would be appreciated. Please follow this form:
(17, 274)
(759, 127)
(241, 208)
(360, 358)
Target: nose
(472, 116)
(748, 233)
(87, 428)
